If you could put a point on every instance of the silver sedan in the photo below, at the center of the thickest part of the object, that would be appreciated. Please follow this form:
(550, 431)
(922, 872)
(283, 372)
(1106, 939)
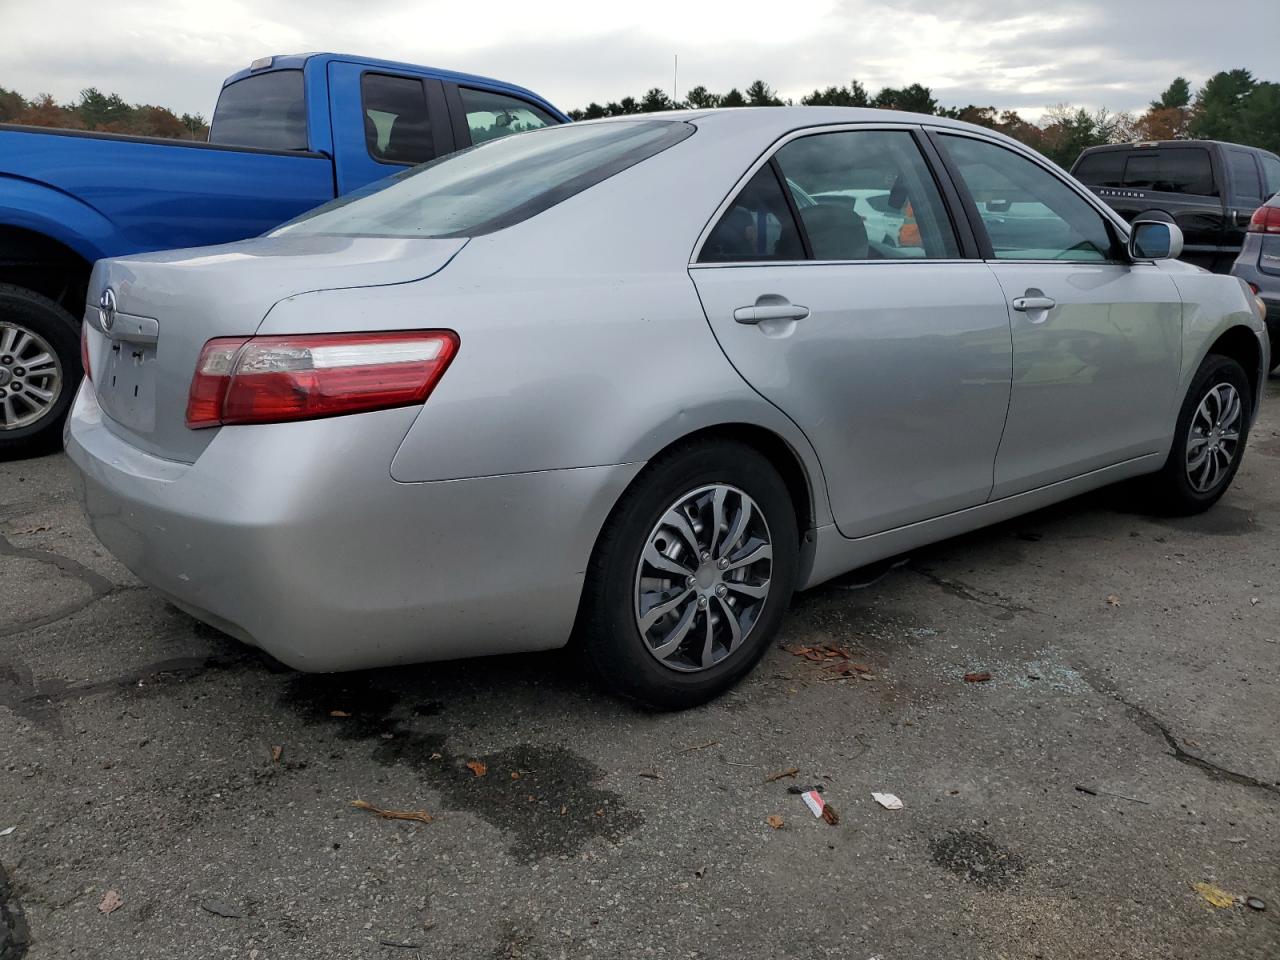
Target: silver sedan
(634, 382)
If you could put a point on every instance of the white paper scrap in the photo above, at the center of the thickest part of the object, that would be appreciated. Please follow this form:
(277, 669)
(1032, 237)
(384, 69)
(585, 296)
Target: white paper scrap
(887, 800)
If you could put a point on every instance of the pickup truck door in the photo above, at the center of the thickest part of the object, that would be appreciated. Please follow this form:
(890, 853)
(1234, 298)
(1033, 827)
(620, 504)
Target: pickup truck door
(384, 122)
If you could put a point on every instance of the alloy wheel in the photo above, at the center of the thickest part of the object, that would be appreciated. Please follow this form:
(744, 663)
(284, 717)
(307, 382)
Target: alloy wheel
(1213, 439)
(703, 578)
(30, 377)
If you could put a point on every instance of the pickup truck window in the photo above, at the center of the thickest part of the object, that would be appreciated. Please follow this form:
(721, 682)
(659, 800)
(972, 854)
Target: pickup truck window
(397, 126)
(268, 110)
(493, 185)
(1181, 170)
(494, 115)
(1245, 174)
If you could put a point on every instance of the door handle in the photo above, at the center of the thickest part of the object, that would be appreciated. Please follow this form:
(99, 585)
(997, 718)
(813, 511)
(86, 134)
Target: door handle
(770, 309)
(1031, 304)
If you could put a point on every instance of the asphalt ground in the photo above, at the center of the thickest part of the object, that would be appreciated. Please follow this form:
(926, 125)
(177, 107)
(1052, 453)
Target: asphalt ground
(1124, 751)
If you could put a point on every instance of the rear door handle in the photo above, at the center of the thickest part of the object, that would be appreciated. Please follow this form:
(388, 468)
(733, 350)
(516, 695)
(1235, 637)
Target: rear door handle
(770, 311)
(1029, 304)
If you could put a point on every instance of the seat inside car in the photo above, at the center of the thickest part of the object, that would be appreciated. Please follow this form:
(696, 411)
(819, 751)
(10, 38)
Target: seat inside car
(836, 232)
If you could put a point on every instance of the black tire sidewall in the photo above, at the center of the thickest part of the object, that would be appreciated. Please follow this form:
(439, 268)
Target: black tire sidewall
(612, 640)
(1177, 491)
(61, 331)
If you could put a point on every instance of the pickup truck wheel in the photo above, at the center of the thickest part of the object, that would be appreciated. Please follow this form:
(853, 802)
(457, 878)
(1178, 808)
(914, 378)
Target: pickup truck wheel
(39, 371)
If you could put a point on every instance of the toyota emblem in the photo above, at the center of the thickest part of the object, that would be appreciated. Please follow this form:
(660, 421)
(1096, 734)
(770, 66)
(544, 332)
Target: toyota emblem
(107, 307)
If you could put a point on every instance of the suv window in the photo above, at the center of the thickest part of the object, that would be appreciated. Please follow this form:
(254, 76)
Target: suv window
(268, 110)
(1271, 171)
(491, 186)
(397, 126)
(1182, 170)
(494, 115)
(1029, 214)
(759, 225)
(867, 195)
(1105, 168)
(1244, 175)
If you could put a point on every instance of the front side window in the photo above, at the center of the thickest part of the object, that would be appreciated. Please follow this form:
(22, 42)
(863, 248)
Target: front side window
(867, 195)
(397, 126)
(1028, 213)
(491, 186)
(268, 110)
(1244, 173)
(1177, 170)
(494, 115)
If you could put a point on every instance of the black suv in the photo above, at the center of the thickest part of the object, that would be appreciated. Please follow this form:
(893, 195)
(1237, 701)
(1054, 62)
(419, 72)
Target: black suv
(1209, 189)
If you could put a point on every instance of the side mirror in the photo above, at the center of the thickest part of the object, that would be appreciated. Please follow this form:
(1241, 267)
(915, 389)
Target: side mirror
(1155, 240)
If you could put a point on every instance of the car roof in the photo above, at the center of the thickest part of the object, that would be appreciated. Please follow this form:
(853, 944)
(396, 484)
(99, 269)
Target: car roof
(1170, 144)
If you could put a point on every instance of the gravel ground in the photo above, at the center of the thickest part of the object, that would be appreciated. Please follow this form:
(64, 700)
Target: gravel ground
(1123, 752)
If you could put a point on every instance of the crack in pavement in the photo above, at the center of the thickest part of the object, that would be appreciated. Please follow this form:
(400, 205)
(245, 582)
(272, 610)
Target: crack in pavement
(99, 586)
(1149, 724)
(973, 594)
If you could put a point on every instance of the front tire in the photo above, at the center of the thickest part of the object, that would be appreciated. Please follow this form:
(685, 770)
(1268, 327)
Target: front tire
(691, 576)
(39, 371)
(1209, 439)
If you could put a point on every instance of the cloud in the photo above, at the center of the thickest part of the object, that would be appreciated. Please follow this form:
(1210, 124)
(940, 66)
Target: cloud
(1024, 54)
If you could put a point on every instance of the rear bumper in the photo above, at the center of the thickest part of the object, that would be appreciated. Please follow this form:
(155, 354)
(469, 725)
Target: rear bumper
(295, 538)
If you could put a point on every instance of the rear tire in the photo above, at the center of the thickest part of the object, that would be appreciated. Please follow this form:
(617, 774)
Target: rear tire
(1209, 439)
(35, 394)
(728, 606)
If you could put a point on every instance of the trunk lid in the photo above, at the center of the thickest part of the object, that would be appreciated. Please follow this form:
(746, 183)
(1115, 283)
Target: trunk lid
(168, 305)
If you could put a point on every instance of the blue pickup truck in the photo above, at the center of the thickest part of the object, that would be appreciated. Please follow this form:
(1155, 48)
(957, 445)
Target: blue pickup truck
(288, 133)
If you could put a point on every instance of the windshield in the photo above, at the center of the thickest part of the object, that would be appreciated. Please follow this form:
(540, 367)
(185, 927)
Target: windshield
(493, 185)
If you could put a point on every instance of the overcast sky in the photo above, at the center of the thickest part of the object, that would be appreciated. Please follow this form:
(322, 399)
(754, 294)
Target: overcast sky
(1023, 54)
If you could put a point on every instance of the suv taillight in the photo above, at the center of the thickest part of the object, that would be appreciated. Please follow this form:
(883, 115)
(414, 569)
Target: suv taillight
(273, 379)
(1265, 220)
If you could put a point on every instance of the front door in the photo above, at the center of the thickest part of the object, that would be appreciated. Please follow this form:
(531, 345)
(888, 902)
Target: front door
(1097, 341)
(887, 348)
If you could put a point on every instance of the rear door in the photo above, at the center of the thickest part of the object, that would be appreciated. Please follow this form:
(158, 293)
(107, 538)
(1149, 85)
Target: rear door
(1097, 341)
(1246, 194)
(384, 123)
(892, 353)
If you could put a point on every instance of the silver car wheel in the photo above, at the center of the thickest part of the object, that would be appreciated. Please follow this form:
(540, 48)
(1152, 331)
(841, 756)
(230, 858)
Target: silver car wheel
(1214, 437)
(703, 578)
(30, 377)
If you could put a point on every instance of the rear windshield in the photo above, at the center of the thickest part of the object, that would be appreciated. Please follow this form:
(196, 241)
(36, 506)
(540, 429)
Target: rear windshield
(268, 111)
(493, 185)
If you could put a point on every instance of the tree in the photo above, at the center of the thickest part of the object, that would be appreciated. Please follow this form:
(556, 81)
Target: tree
(593, 112)
(854, 95)
(101, 111)
(1177, 95)
(11, 105)
(913, 99)
(1259, 121)
(733, 99)
(1067, 131)
(628, 105)
(1219, 105)
(654, 100)
(700, 98)
(44, 111)
(195, 125)
(760, 94)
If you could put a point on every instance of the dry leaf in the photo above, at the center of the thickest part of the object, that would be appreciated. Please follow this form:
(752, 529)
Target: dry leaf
(339, 713)
(789, 772)
(829, 814)
(1113, 600)
(111, 901)
(515, 774)
(420, 815)
(563, 811)
(437, 756)
(774, 821)
(1214, 896)
(276, 754)
(478, 767)
(982, 677)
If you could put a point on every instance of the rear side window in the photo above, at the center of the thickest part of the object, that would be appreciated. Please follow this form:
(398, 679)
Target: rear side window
(397, 126)
(1244, 176)
(1183, 170)
(1271, 173)
(758, 226)
(268, 110)
(491, 186)
(494, 115)
(1102, 169)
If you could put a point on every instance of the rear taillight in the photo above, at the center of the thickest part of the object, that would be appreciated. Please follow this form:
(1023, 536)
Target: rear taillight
(1265, 220)
(273, 379)
(84, 351)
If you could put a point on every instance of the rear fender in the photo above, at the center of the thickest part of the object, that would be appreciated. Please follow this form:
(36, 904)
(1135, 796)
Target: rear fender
(59, 216)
